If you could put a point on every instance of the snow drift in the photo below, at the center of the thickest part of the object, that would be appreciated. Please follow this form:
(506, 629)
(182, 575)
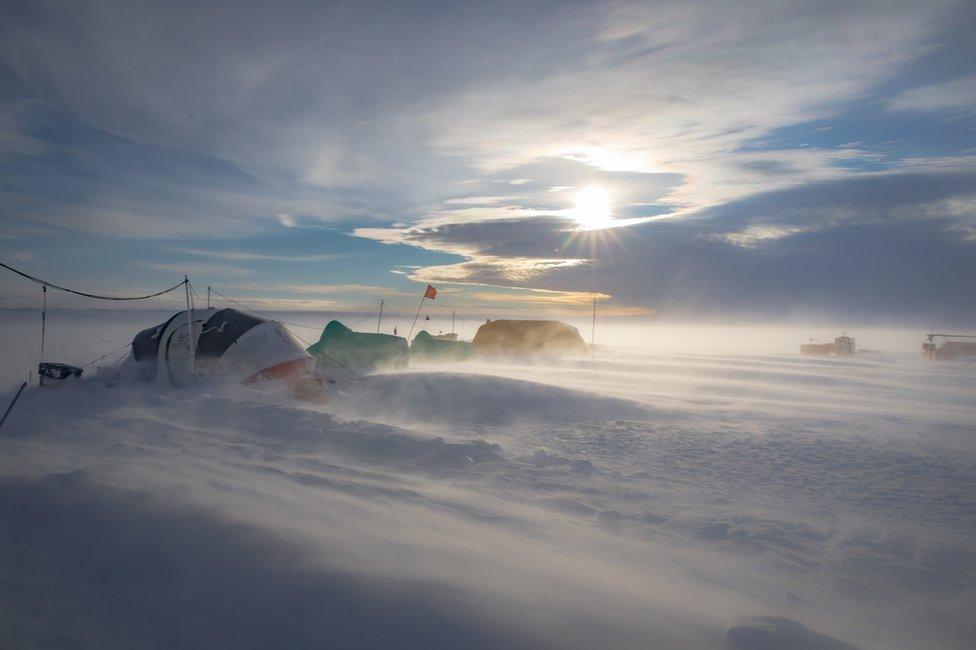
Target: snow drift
(628, 501)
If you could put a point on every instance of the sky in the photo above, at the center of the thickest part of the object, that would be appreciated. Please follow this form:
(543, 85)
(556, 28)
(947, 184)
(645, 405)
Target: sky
(713, 160)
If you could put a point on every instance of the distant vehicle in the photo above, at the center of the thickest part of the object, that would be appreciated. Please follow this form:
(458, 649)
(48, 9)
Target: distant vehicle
(843, 346)
(951, 348)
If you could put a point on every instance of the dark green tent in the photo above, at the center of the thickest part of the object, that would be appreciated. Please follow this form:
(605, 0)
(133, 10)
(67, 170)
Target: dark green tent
(362, 352)
(430, 348)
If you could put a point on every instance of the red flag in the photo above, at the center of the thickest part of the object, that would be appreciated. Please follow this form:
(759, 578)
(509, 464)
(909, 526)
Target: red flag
(430, 293)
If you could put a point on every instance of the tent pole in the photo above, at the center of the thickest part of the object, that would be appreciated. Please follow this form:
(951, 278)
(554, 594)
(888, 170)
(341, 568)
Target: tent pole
(416, 317)
(189, 329)
(43, 319)
(380, 320)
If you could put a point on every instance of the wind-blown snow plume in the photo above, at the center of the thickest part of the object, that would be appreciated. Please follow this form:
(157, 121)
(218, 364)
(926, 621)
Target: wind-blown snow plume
(632, 499)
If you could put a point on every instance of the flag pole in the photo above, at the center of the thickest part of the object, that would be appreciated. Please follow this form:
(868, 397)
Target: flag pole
(422, 299)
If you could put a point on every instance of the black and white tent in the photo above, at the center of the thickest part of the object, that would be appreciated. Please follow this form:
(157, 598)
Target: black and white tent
(227, 344)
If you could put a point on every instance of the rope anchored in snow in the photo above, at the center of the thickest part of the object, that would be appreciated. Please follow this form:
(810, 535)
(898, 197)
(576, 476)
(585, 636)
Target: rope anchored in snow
(12, 402)
(45, 284)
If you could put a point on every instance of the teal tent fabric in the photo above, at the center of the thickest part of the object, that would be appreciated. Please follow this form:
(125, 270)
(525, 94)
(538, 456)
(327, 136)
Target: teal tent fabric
(427, 348)
(362, 352)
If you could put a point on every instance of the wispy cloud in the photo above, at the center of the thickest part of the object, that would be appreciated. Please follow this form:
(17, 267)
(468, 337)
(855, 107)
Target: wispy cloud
(248, 256)
(952, 95)
(506, 270)
(753, 235)
(203, 270)
(317, 289)
(682, 111)
(478, 200)
(665, 90)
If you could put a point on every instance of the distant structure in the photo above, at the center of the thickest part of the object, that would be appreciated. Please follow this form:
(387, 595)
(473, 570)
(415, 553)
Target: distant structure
(950, 349)
(843, 346)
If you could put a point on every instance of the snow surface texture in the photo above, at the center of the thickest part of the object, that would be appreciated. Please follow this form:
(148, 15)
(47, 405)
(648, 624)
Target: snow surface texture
(638, 499)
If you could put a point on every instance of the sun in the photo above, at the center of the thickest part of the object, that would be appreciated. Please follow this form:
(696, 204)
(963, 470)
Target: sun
(593, 209)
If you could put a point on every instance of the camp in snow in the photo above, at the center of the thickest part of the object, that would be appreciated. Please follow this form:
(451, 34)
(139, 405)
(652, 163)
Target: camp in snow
(498, 325)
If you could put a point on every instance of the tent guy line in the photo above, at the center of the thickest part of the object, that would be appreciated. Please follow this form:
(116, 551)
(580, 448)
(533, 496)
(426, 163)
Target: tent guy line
(253, 311)
(300, 338)
(45, 283)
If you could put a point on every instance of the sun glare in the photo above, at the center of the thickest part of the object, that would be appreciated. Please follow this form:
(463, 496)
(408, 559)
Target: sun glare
(593, 209)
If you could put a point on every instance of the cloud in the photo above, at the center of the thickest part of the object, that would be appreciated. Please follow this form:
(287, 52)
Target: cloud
(316, 290)
(130, 120)
(249, 256)
(206, 270)
(14, 138)
(505, 251)
(494, 271)
(878, 246)
(673, 87)
(752, 235)
(22, 255)
(125, 188)
(952, 95)
(662, 87)
(477, 200)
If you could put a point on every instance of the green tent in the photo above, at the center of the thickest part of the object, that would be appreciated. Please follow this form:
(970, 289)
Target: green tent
(364, 353)
(431, 348)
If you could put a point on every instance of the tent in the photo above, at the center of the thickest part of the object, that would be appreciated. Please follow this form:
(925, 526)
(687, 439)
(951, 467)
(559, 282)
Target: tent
(340, 347)
(433, 348)
(528, 338)
(228, 344)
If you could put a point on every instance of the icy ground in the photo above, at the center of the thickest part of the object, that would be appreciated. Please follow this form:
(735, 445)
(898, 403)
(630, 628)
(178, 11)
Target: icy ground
(639, 499)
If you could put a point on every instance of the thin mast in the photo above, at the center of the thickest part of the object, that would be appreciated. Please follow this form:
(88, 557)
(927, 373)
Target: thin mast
(189, 329)
(414, 324)
(593, 328)
(43, 319)
(379, 321)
